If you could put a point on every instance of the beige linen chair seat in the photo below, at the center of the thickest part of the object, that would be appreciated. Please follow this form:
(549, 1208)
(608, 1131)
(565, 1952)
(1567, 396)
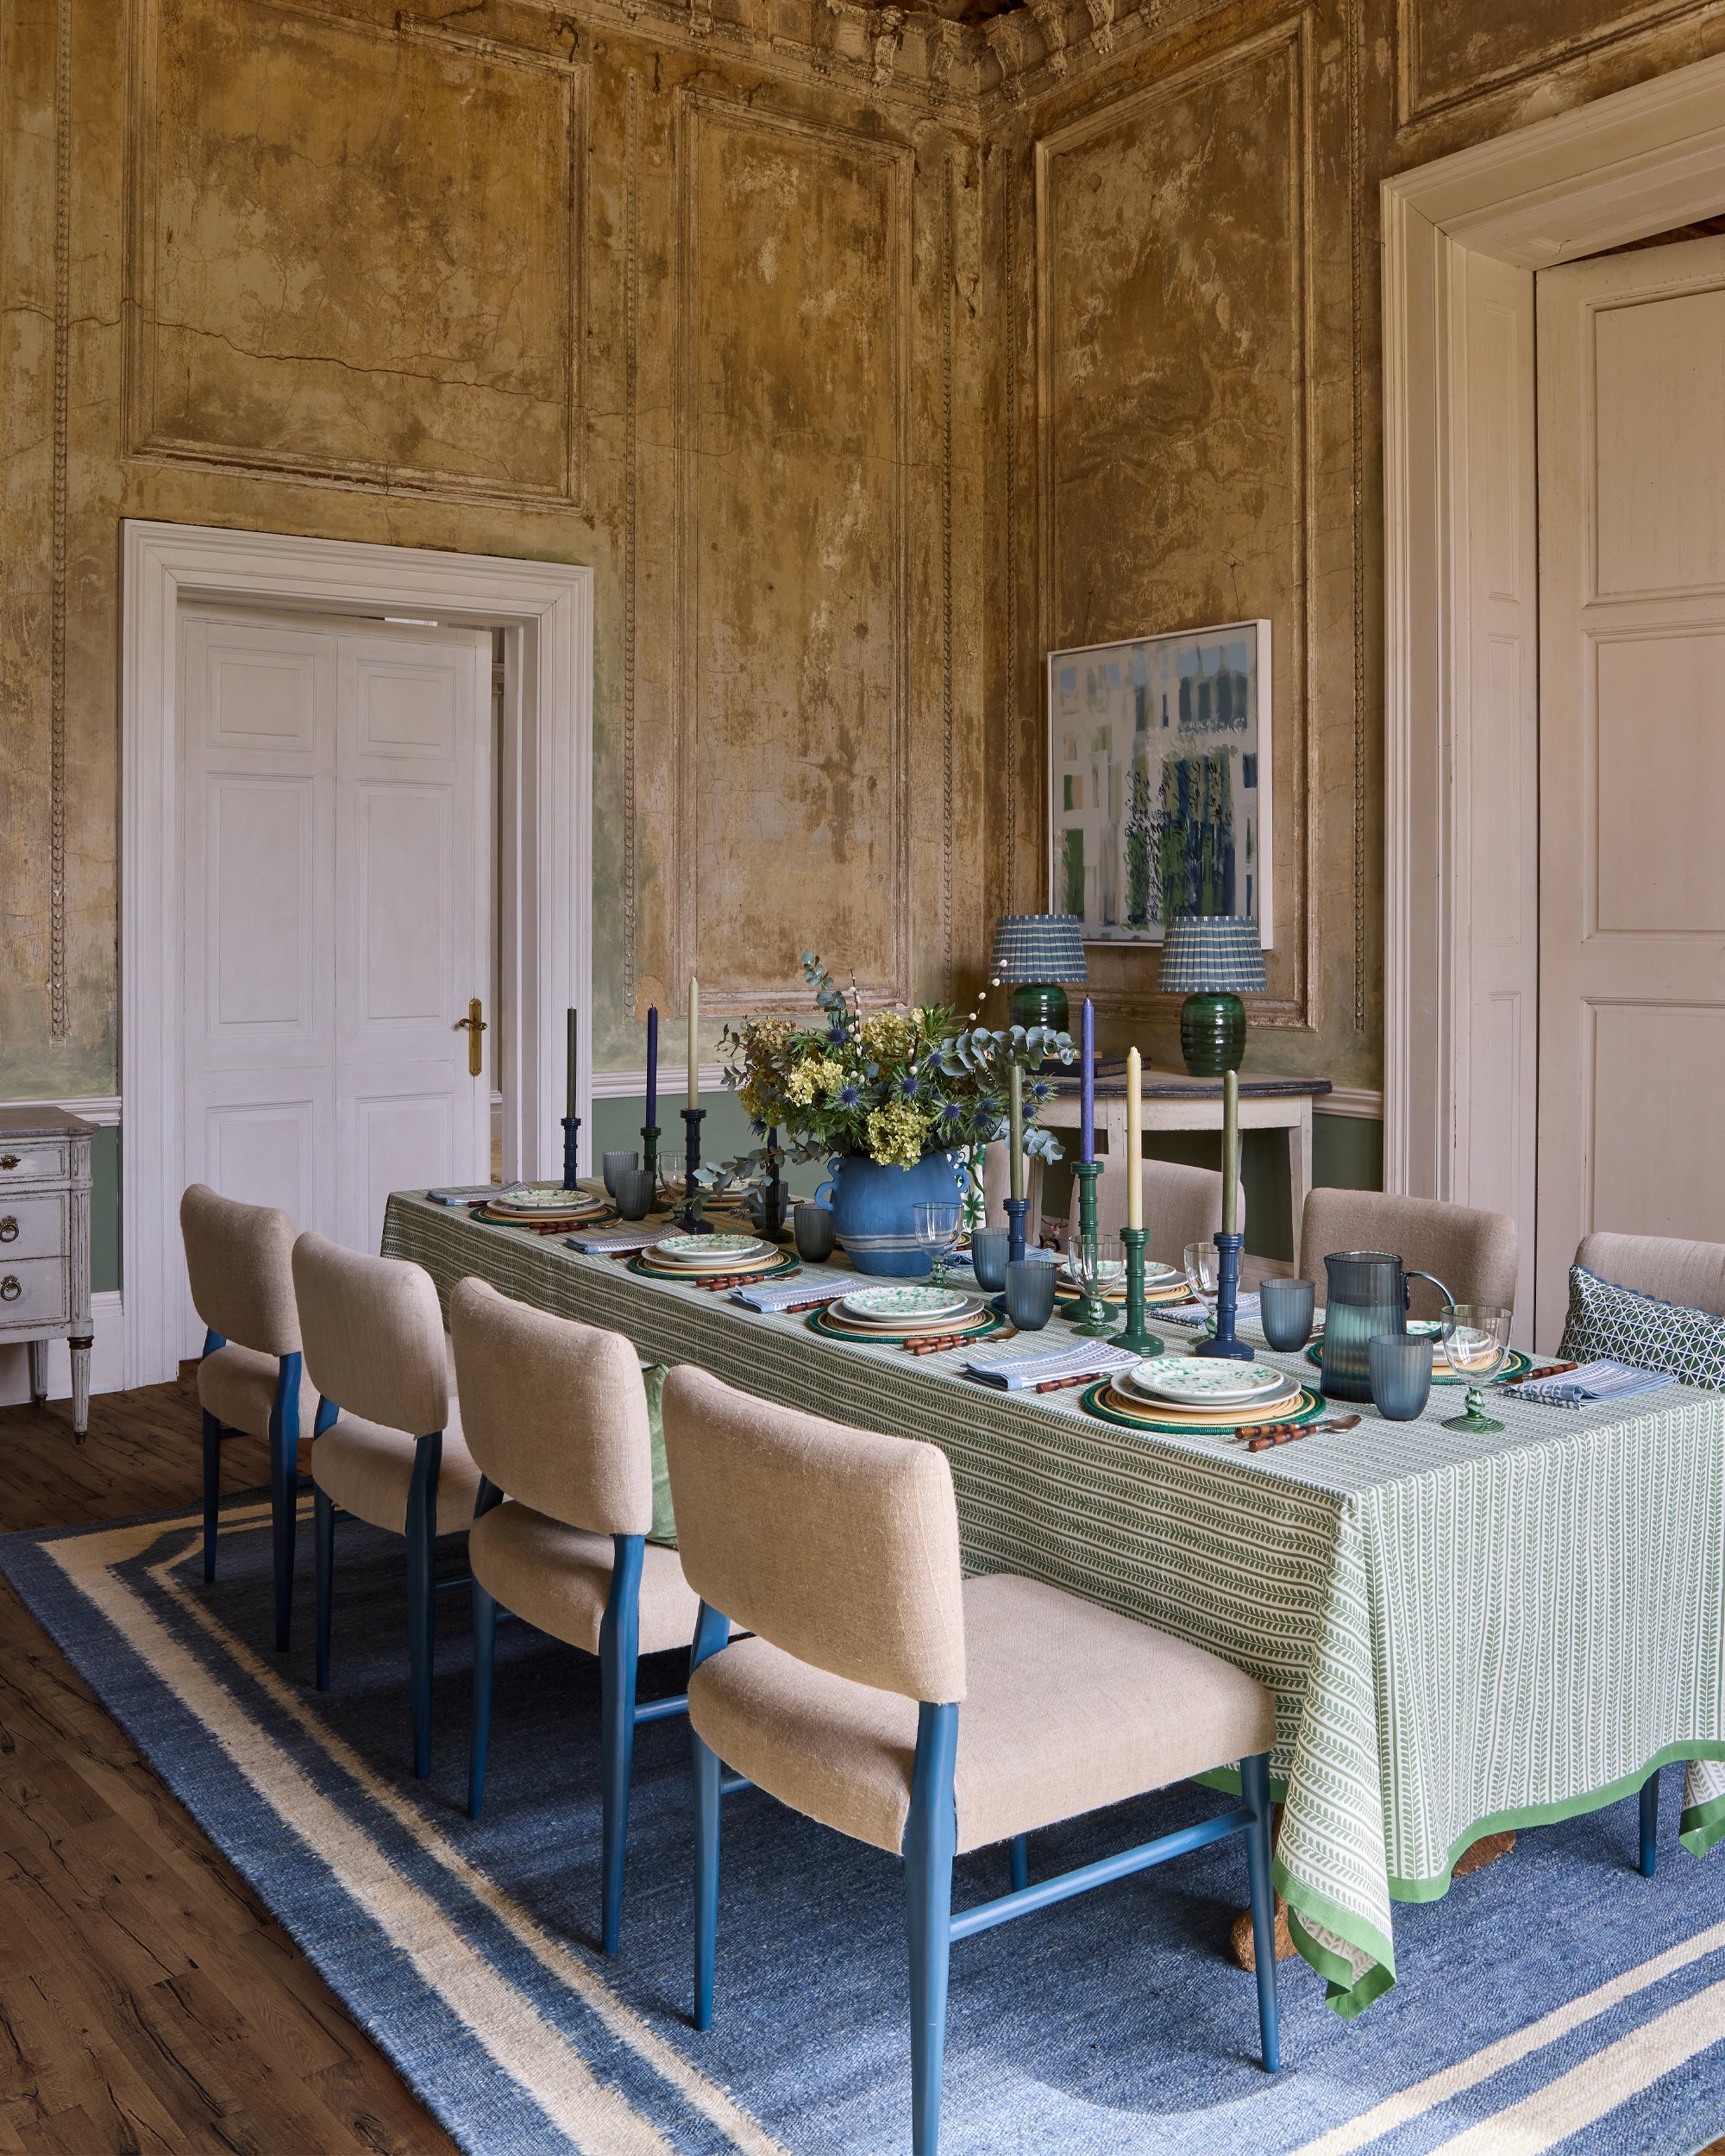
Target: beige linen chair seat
(366, 1469)
(1068, 1707)
(237, 1385)
(558, 1577)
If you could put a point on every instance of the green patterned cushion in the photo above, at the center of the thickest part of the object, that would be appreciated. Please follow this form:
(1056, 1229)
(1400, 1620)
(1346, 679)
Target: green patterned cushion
(1606, 1321)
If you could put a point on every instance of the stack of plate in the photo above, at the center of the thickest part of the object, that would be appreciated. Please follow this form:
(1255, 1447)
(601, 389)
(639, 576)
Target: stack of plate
(1181, 1392)
(546, 1206)
(707, 1256)
(904, 1313)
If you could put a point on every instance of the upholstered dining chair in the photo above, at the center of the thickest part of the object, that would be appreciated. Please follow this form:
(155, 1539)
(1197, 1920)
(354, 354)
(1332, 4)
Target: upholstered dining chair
(887, 1696)
(1181, 1204)
(239, 1260)
(392, 1453)
(1690, 1273)
(555, 1417)
(1473, 1253)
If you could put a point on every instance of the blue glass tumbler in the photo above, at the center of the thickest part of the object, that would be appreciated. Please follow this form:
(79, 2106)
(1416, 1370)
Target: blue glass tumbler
(1400, 1366)
(988, 1249)
(1030, 1293)
(1285, 1309)
(815, 1227)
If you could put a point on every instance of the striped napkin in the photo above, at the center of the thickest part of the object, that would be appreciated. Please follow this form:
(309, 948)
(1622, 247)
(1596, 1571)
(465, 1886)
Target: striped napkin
(1592, 1382)
(1018, 1373)
(1199, 1313)
(618, 1239)
(471, 1194)
(788, 1294)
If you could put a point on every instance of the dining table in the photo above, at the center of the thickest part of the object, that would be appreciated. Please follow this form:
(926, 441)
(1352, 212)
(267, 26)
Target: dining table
(1463, 1632)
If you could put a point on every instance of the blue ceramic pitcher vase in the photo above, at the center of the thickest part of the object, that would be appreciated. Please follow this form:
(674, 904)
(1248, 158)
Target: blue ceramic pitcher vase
(1367, 1294)
(875, 1208)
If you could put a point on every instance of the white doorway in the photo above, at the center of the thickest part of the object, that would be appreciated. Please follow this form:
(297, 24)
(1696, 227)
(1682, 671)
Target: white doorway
(1632, 751)
(336, 905)
(382, 734)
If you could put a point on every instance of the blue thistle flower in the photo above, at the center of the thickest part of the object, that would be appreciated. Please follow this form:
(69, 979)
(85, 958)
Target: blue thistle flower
(836, 1035)
(950, 1111)
(909, 1086)
(848, 1096)
(1040, 1089)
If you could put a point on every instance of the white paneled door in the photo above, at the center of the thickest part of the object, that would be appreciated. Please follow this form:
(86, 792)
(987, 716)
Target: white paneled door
(1632, 752)
(337, 902)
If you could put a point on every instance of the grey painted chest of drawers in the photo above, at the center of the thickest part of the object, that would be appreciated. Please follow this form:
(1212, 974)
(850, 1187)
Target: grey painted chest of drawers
(44, 1243)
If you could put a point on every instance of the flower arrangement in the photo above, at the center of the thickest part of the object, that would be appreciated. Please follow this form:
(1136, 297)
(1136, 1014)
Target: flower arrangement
(891, 1086)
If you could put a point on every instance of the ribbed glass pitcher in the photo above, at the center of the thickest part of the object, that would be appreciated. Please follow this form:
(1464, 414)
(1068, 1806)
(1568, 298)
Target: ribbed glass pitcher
(1368, 1293)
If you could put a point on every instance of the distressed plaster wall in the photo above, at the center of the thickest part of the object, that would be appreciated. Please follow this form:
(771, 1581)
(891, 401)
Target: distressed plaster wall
(1182, 221)
(863, 355)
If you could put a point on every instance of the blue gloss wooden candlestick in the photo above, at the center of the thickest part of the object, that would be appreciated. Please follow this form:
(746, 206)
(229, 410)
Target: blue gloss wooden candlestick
(689, 1219)
(649, 1148)
(1135, 1337)
(1017, 1211)
(572, 1125)
(1093, 1319)
(1227, 1342)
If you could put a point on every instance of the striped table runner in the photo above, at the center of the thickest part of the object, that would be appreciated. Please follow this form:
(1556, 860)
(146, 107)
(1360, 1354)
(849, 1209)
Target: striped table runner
(1462, 1632)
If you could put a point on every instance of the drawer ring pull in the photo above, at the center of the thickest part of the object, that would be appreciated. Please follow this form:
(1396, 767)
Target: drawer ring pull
(10, 1288)
(8, 1228)
(8, 1160)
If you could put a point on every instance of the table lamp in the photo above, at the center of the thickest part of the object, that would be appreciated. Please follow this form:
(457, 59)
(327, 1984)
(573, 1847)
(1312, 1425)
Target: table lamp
(1212, 959)
(1034, 953)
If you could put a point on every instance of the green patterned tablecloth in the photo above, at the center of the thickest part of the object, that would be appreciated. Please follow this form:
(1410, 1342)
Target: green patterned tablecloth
(1462, 1632)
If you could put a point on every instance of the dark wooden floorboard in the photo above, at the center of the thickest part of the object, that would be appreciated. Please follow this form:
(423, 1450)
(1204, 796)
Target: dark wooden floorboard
(149, 2006)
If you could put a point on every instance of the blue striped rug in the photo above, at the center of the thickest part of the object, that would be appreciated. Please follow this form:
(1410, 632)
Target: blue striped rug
(1555, 2001)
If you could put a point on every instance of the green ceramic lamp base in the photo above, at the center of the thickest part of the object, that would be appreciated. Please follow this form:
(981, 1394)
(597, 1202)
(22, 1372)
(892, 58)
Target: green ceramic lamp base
(1211, 1033)
(1039, 1003)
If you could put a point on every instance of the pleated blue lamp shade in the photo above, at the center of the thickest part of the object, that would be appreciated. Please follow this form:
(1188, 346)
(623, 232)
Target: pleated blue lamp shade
(1212, 959)
(1034, 953)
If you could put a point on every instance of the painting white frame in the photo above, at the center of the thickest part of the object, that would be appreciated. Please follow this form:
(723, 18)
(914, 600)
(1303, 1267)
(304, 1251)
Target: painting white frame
(546, 611)
(1258, 631)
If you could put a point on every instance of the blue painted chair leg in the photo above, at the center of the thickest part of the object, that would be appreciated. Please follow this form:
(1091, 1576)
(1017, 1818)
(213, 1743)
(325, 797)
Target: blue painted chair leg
(284, 1445)
(1650, 1824)
(421, 1591)
(1255, 1789)
(618, 1635)
(931, 1837)
(324, 1537)
(485, 1656)
(707, 1875)
(212, 1492)
(1019, 1847)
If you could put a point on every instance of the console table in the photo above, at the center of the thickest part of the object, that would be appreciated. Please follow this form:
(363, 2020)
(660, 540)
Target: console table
(44, 1243)
(1173, 1101)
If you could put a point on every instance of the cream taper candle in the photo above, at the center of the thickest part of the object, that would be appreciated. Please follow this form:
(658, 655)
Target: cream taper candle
(1134, 1139)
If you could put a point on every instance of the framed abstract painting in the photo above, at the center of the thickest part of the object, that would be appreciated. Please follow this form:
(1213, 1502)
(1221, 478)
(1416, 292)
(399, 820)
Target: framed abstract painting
(1159, 780)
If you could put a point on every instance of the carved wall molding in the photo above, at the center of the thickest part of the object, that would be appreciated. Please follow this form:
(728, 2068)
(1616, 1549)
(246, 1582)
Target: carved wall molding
(948, 803)
(1014, 759)
(1296, 737)
(60, 1012)
(147, 441)
(693, 111)
(632, 325)
(1354, 29)
(1417, 102)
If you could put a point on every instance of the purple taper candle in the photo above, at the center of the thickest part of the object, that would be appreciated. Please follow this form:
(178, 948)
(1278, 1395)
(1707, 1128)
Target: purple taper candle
(652, 1066)
(1087, 1113)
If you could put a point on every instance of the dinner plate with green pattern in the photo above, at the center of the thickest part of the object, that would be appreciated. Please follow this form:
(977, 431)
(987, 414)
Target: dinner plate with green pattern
(1184, 1381)
(900, 1306)
(699, 1249)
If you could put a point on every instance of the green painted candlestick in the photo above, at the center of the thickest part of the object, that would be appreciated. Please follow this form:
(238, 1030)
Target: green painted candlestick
(1093, 1319)
(1135, 1337)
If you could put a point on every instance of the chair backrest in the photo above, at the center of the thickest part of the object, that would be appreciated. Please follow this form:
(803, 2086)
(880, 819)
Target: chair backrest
(1473, 1253)
(836, 1545)
(373, 1335)
(1181, 1204)
(1689, 1273)
(554, 1411)
(240, 1262)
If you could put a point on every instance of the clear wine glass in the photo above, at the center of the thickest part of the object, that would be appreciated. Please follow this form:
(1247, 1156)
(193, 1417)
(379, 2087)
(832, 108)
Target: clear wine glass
(1201, 1259)
(1476, 1349)
(1098, 1266)
(937, 1229)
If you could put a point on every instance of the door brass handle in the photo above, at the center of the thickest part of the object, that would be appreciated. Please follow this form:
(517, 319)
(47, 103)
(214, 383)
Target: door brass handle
(472, 1026)
(8, 1228)
(10, 1288)
(8, 1160)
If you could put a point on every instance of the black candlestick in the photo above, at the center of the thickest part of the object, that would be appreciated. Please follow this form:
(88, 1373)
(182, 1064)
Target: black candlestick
(649, 1148)
(572, 1125)
(1226, 1343)
(689, 1219)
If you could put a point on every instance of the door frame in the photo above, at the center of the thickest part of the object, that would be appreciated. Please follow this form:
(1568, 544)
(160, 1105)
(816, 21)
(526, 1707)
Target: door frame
(1625, 167)
(545, 875)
